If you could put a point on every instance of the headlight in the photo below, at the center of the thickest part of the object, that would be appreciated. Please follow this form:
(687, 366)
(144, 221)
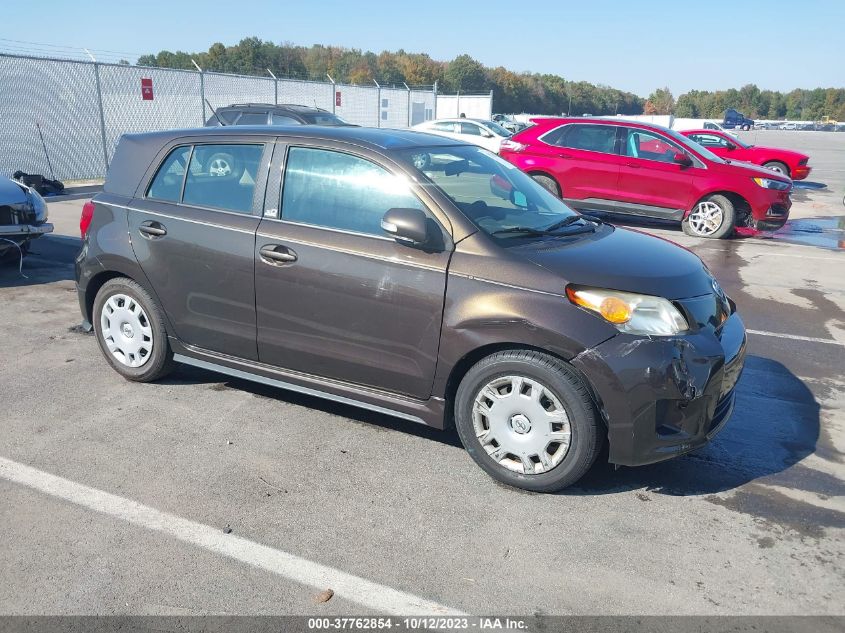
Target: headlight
(629, 312)
(39, 206)
(768, 183)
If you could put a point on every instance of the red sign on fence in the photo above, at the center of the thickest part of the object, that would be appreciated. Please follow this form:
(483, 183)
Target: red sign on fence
(337, 98)
(147, 88)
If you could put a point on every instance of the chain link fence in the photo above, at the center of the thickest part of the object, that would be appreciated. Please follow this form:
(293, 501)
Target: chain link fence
(74, 112)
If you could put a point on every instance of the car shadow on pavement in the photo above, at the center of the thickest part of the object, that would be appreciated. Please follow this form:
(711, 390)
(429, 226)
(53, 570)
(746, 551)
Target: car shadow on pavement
(193, 375)
(775, 425)
(50, 259)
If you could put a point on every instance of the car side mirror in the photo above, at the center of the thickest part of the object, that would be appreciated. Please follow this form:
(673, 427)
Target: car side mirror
(409, 226)
(731, 146)
(682, 159)
(486, 134)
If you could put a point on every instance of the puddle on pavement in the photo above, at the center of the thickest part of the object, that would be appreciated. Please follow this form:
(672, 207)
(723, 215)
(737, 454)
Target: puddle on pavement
(821, 232)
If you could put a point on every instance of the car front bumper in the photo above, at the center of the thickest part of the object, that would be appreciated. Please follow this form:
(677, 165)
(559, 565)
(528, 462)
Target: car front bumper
(665, 396)
(25, 231)
(801, 172)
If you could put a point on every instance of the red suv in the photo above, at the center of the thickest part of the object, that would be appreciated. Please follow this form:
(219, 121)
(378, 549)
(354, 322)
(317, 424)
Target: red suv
(787, 162)
(629, 168)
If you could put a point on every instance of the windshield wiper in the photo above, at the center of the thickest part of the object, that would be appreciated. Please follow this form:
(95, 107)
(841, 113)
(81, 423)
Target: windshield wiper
(572, 219)
(521, 229)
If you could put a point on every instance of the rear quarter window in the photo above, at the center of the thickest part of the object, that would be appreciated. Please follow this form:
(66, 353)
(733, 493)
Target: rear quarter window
(167, 183)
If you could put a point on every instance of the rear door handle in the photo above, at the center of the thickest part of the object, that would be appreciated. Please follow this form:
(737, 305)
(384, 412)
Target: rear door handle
(634, 165)
(152, 229)
(277, 254)
(564, 155)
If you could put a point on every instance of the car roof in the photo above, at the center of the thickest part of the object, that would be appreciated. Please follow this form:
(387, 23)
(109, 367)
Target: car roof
(135, 152)
(291, 107)
(456, 119)
(598, 120)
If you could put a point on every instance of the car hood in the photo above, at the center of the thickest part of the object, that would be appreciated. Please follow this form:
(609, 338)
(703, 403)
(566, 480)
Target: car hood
(778, 153)
(11, 192)
(624, 259)
(752, 170)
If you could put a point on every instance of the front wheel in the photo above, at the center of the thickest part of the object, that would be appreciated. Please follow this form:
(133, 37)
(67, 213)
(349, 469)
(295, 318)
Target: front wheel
(713, 217)
(527, 420)
(130, 330)
(777, 166)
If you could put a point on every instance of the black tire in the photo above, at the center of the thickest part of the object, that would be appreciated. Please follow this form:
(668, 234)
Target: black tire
(586, 428)
(746, 127)
(159, 362)
(725, 229)
(548, 183)
(776, 165)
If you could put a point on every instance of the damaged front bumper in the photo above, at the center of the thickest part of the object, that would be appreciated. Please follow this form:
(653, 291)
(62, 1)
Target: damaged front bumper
(663, 397)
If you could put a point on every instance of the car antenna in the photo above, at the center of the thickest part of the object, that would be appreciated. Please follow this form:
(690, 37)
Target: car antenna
(214, 112)
(44, 145)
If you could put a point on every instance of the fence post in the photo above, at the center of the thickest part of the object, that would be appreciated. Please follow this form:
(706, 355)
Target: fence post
(334, 93)
(202, 89)
(458, 103)
(378, 103)
(409, 103)
(490, 113)
(275, 87)
(102, 114)
(434, 113)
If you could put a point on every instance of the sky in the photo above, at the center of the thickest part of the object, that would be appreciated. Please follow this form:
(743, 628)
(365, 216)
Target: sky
(634, 46)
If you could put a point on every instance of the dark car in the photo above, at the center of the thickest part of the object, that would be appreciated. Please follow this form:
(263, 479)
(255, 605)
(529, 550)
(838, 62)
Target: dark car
(734, 119)
(410, 275)
(270, 114)
(23, 218)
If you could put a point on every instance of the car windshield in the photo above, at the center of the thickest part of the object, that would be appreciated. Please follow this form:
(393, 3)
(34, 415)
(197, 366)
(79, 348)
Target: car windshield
(495, 127)
(496, 196)
(322, 118)
(699, 149)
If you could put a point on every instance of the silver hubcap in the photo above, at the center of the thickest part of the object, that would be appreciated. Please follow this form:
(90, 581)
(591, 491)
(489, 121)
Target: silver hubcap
(219, 167)
(126, 330)
(521, 424)
(706, 218)
(778, 169)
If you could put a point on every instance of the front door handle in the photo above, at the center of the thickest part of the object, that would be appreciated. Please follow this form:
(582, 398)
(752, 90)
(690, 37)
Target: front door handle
(634, 165)
(152, 229)
(277, 254)
(564, 155)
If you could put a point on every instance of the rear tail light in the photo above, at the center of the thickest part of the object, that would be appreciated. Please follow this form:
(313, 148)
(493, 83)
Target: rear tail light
(86, 217)
(511, 146)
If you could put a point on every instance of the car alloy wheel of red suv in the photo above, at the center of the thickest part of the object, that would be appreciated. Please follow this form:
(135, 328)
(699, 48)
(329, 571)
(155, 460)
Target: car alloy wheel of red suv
(635, 169)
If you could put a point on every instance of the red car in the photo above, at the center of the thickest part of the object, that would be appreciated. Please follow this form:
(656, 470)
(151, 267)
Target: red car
(787, 162)
(629, 168)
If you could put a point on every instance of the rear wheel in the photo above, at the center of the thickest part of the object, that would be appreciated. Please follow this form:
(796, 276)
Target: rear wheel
(130, 331)
(548, 183)
(527, 420)
(713, 217)
(777, 166)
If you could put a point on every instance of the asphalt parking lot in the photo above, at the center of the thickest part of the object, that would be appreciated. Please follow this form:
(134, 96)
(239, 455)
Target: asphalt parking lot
(230, 497)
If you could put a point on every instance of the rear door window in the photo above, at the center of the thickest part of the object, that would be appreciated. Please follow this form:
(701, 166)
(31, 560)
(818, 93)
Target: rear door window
(253, 118)
(592, 138)
(223, 176)
(341, 191)
(470, 128)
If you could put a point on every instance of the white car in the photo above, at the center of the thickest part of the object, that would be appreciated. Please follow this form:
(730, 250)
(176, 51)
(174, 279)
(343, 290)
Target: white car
(487, 134)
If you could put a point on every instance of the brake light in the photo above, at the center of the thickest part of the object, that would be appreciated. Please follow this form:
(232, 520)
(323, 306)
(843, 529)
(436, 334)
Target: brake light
(86, 217)
(511, 146)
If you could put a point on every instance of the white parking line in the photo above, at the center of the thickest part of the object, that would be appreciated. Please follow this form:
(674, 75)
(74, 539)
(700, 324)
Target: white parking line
(812, 339)
(359, 590)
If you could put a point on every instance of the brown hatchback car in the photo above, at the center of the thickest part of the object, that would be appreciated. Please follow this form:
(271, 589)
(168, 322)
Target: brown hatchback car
(411, 275)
